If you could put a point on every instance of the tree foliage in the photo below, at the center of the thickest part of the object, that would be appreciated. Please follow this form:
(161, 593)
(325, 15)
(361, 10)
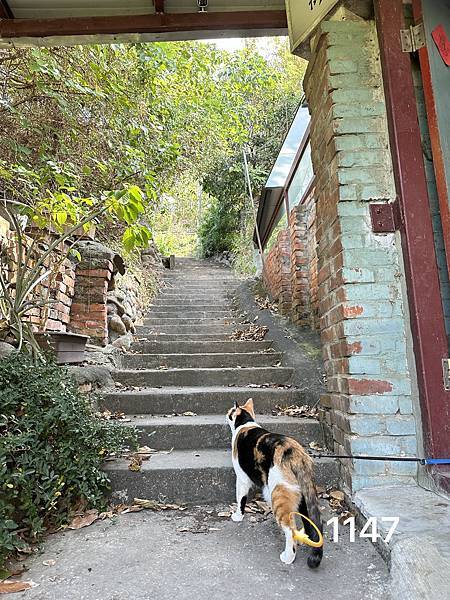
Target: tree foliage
(77, 123)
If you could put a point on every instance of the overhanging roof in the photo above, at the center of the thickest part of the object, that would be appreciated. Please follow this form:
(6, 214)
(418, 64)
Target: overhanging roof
(61, 22)
(272, 194)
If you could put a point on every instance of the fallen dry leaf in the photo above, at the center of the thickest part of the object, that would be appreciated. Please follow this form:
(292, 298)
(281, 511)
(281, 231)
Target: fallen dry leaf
(189, 413)
(49, 563)
(224, 513)
(294, 410)
(254, 332)
(11, 587)
(337, 495)
(144, 503)
(84, 520)
(135, 463)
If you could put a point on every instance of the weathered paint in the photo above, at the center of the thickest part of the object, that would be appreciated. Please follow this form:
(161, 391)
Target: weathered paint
(427, 319)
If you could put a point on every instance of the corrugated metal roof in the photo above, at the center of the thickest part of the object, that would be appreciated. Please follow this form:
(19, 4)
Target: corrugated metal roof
(41, 9)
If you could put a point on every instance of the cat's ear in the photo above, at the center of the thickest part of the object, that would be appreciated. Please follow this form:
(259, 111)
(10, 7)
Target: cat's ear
(248, 406)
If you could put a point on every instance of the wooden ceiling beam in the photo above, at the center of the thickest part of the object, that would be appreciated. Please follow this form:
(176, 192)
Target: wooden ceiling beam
(5, 11)
(159, 23)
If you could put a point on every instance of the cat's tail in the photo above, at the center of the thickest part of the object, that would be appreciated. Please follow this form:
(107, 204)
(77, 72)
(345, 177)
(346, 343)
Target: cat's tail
(309, 506)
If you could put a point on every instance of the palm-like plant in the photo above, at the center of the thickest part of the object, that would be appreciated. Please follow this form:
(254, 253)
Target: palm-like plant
(27, 267)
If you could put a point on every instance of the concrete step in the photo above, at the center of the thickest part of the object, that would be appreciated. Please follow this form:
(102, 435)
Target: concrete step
(212, 431)
(143, 330)
(202, 361)
(201, 400)
(183, 337)
(150, 320)
(198, 347)
(189, 308)
(202, 284)
(200, 377)
(191, 313)
(191, 477)
(184, 303)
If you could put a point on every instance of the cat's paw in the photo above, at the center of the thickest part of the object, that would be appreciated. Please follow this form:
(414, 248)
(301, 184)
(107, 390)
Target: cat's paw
(237, 517)
(287, 557)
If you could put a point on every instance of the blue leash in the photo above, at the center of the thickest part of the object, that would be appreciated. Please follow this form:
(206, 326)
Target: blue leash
(422, 461)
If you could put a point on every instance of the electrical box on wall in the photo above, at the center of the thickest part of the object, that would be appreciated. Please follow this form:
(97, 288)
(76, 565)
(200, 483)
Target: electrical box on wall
(304, 16)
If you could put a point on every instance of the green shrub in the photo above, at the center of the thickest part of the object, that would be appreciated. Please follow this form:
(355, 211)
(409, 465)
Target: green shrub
(51, 450)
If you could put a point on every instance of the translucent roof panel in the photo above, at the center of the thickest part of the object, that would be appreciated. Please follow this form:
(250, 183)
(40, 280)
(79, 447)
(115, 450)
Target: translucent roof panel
(286, 157)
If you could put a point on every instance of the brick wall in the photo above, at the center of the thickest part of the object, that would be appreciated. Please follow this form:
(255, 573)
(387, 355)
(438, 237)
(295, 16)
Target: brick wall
(277, 272)
(302, 228)
(363, 321)
(290, 270)
(57, 288)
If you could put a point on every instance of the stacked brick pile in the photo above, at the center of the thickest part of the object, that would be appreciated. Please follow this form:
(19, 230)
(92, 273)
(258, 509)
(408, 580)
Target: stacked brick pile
(94, 275)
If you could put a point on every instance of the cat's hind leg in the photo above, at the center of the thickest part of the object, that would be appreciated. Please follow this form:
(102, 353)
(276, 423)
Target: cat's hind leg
(243, 487)
(285, 498)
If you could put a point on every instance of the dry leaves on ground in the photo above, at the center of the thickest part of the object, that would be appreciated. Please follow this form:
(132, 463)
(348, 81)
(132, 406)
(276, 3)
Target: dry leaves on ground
(107, 415)
(84, 520)
(265, 303)
(12, 587)
(294, 410)
(336, 501)
(143, 503)
(142, 454)
(254, 332)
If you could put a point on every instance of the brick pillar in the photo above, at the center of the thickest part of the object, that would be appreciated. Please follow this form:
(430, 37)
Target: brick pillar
(363, 319)
(299, 266)
(277, 272)
(88, 314)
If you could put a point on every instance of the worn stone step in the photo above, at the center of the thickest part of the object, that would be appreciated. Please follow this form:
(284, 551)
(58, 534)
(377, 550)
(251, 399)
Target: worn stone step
(208, 360)
(190, 477)
(202, 400)
(185, 303)
(182, 337)
(200, 284)
(201, 377)
(144, 330)
(212, 431)
(221, 320)
(189, 308)
(209, 299)
(183, 313)
(199, 347)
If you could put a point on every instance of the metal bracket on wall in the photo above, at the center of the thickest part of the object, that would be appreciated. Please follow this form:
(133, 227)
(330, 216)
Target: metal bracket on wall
(413, 39)
(446, 373)
(385, 217)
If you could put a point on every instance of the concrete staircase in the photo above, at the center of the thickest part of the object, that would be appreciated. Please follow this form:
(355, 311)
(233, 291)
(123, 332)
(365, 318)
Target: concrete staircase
(184, 361)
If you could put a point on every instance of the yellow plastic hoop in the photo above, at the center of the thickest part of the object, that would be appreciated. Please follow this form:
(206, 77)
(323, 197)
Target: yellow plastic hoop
(302, 537)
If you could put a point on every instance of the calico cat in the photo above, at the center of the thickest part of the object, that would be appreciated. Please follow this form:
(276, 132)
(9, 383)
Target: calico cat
(279, 466)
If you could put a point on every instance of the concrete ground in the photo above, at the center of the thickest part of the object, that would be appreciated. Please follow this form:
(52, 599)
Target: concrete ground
(148, 556)
(419, 551)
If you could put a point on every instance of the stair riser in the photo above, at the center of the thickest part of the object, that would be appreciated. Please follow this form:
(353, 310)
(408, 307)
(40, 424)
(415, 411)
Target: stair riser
(193, 309)
(187, 437)
(160, 321)
(202, 361)
(183, 337)
(192, 486)
(194, 303)
(188, 314)
(213, 403)
(201, 377)
(198, 347)
(143, 330)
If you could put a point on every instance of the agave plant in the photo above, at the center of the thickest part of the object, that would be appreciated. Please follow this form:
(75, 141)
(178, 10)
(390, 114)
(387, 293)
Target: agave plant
(27, 267)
